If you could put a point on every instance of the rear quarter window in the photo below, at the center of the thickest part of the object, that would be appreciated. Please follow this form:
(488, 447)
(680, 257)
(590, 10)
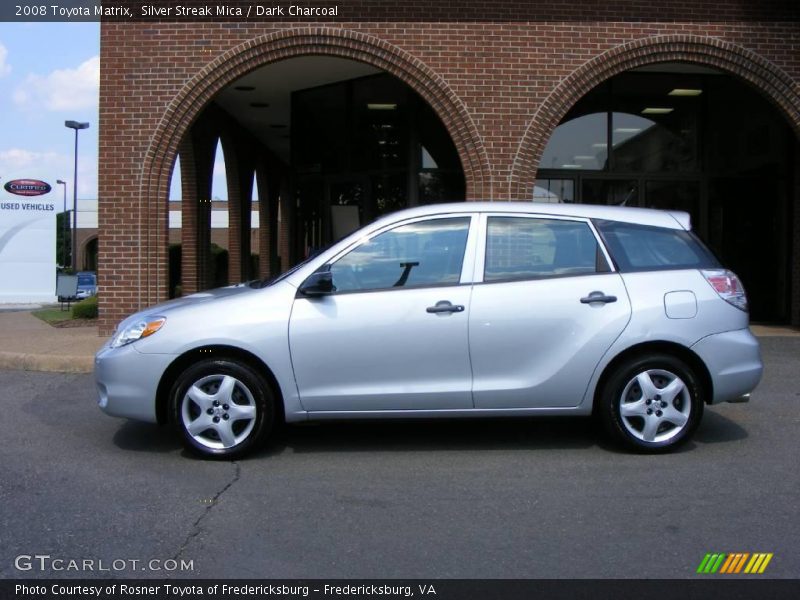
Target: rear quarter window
(645, 248)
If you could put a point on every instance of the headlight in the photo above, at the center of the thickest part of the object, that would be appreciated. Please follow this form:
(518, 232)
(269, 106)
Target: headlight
(139, 329)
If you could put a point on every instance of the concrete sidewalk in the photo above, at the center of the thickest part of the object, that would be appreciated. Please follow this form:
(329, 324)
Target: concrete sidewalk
(29, 344)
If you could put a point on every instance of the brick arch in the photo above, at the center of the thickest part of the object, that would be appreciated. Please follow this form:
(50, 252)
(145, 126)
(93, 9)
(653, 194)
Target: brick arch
(774, 83)
(291, 43)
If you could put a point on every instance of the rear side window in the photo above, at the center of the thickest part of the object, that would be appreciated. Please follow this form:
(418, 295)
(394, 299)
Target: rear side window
(645, 248)
(533, 248)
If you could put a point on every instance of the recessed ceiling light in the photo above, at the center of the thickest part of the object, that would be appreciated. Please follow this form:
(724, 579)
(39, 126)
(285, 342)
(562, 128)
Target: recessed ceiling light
(600, 145)
(259, 104)
(657, 111)
(379, 106)
(685, 92)
(571, 166)
(627, 130)
(584, 157)
(244, 88)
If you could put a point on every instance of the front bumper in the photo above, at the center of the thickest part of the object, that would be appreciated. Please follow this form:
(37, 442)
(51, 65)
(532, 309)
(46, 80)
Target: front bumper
(127, 381)
(733, 359)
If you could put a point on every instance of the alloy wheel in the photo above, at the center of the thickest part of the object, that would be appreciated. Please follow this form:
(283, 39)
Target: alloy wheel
(655, 406)
(218, 411)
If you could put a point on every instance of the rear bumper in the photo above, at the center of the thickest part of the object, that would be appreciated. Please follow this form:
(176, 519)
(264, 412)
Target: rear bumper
(733, 359)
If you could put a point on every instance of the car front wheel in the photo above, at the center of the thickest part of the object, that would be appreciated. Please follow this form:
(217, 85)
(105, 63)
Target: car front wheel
(652, 403)
(223, 408)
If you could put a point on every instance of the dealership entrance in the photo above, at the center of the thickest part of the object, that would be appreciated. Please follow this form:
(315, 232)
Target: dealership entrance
(685, 137)
(331, 144)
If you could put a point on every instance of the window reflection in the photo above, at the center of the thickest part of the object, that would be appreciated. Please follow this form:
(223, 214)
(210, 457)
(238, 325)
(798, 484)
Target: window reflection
(578, 144)
(581, 140)
(419, 254)
(554, 190)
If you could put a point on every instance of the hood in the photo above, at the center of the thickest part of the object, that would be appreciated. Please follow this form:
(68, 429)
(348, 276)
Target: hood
(165, 308)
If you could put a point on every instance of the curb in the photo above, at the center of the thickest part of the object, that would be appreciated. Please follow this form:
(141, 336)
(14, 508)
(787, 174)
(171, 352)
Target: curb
(46, 362)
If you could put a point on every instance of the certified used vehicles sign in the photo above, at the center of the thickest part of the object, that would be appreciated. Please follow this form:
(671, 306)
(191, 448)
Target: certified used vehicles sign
(27, 187)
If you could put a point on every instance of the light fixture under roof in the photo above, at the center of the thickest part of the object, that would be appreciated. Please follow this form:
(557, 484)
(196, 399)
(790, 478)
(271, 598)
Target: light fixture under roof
(381, 106)
(571, 167)
(600, 145)
(685, 92)
(259, 104)
(627, 130)
(583, 157)
(657, 110)
(244, 88)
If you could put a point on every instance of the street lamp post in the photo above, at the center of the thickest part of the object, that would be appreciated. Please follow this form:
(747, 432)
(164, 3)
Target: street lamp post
(64, 224)
(76, 126)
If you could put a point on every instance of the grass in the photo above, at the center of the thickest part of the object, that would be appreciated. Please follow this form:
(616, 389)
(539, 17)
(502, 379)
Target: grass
(53, 316)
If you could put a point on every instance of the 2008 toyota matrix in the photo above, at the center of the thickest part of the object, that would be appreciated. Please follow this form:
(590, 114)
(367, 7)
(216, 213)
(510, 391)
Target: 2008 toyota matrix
(459, 310)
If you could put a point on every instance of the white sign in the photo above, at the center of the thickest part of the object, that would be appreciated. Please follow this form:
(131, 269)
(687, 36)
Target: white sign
(27, 249)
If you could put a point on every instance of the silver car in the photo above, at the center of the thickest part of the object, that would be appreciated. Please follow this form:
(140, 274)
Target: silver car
(456, 310)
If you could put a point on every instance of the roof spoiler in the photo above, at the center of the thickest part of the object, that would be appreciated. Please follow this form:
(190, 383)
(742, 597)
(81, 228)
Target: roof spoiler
(683, 218)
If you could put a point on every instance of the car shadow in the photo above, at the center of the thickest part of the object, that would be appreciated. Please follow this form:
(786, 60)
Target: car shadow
(435, 434)
(716, 428)
(146, 437)
(541, 433)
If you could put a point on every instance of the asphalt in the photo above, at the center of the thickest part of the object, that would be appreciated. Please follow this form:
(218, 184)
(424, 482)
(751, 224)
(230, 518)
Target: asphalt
(30, 344)
(519, 498)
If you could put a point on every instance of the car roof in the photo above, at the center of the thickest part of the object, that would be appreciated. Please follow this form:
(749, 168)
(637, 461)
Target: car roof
(644, 216)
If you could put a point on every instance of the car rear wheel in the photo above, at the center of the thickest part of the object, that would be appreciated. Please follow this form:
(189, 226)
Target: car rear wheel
(223, 408)
(652, 403)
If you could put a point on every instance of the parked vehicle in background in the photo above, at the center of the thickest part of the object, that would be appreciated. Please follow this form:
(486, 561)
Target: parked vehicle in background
(87, 284)
(458, 310)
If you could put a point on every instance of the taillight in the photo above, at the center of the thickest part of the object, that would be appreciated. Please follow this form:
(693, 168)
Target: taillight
(728, 286)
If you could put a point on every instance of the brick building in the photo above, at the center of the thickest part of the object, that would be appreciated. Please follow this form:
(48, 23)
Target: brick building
(690, 106)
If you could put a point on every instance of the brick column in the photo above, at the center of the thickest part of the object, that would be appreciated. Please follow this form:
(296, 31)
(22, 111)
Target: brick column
(268, 189)
(197, 163)
(245, 151)
(794, 307)
(234, 206)
(189, 283)
(285, 226)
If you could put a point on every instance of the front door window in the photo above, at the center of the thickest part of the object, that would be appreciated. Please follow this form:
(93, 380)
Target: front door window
(422, 254)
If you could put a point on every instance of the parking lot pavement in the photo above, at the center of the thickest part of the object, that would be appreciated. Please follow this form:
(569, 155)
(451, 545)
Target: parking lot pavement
(482, 499)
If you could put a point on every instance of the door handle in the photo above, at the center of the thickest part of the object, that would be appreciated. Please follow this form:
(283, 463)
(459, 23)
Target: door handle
(445, 306)
(598, 297)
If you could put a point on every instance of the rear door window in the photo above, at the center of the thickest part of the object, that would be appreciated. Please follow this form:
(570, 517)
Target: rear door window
(534, 248)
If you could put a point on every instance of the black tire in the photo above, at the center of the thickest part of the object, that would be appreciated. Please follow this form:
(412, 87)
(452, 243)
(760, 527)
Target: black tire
(663, 421)
(199, 397)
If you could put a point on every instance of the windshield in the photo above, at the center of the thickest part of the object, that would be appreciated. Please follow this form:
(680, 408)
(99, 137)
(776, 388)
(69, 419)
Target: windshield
(85, 280)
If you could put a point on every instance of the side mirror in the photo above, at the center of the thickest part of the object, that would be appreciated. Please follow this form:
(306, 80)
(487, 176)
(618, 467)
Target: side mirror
(318, 284)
